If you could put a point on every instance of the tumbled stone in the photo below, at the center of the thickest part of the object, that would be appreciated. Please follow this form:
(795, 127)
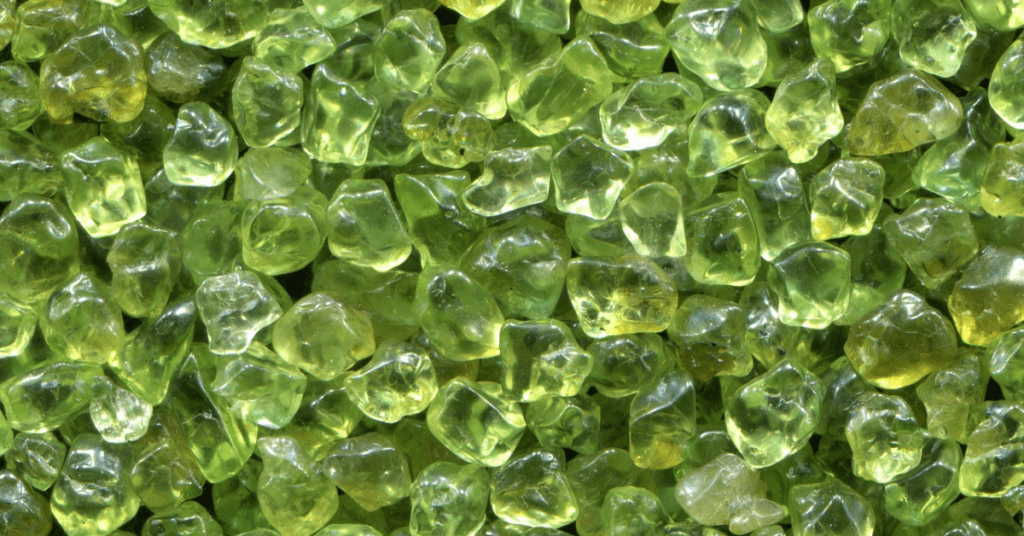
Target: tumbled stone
(258, 388)
(662, 416)
(985, 300)
(934, 237)
(933, 35)
(103, 187)
(93, 494)
(957, 390)
(370, 469)
(925, 492)
(400, 380)
(459, 316)
(531, 489)
(801, 127)
(82, 322)
(727, 491)
(619, 296)
(266, 103)
(812, 281)
(1001, 185)
(566, 422)
(23, 511)
(234, 307)
(846, 198)
(990, 466)
(218, 24)
(729, 131)
(296, 498)
(884, 437)
(830, 508)
(449, 500)
(541, 359)
(476, 421)
(203, 150)
(718, 40)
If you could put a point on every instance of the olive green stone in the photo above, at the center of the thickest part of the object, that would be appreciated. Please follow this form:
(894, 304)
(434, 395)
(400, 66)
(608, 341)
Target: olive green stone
(516, 48)
(632, 511)
(165, 472)
(653, 221)
(181, 72)
(470, 78)
(558, 92)
(592, 477)
(727, 491)
(17, 326)
(548, 15)
(598, 238)
(632, 49)
(662, 416)
(540, 359)
(325, 415)
(19, 95)
(812, 281)
(44, 397)
(566, 422)
(884, 437)
(8, 22)
(990, 466)
(439, 223)
(449, 136)
(956, 390)
(773, 190)
(729, 131)
(82, 322)
(934, 237)
(266, 102)
(588, 177)
(933, 35)
(643, 114)
(531, 489)
(722, 241)
(234, 307)
(778, 15)
(203, 150)
(43, 25)
(93, 494)
(103, 187)
(709, 337)
(512, 179)
(930, 488)
(118, 415)
(458, 315)
(284, 234)
(337, 119)
(145, 262)
(804, 112)
(830, 508)
(152, 352)
(294, 495)
(24, 511)
(623, 363)
(292, 40)
(400, 380)
(985, 301)
(370, 469)
(768, 338)
(849, 32)
(36, 458)
(186, 519)
(172, 207)
(236, 505)
(27, 166)
(364, 227)
(449, 500)
(476, 421)
(1001, 185)
(145, 136)
(214, 24)
(258, 387)
(619, 296)
(1003, 15)
(718, 40)
(323, 335)
(269, 172)
(408, 50)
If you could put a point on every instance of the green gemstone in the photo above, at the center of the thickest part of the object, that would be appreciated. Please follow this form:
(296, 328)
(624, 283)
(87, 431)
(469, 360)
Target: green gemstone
(103, 187)
(258, 387)
(292, 40)
(36, 458)
(449, 500)
(709, 334)
(619, 296)
(283, 234)
(990, 467)
(370, 469)
(165, 473)
(215, 24)
(449, 136)
(21, 98)
(566, 422)
(186, 519)
(459, 316)
(548, 15)
(722, 241)
(592, 477)
(93, 494)
(729, 131)
(44, 397)
(805, 112)
(643, 114)
(830, 508)
(323, 335)
(408, 50)
(294, 495)
(773, 190)
(512, 178)
(1001, 186)
(947, 245)
(812, 281)
(930, 488)
(476, 421)
(661, 420)
(234, 307)
(632, 49)
(118, 414)
(933, 35)
(27, 166)
(211, 240)
(180, 72)
(984, 302)
(727, 491)
(955, 391)
(625, 362)
(631, 511)
(849, 32)
(236, 505)
(266, 102)
(718, 40)
(337, 119)
(326, 415)
(82, 322)
(652, 219)
(884, 437)
(470, 78)
(203, 150)
(541, 359)
(531, 489)
(399, 381)
(515, 47)
(26, 512)
(440, 224)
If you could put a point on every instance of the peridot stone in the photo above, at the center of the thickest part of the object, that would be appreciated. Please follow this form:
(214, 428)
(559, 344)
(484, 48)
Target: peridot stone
(531, 489)
(292, 40)
(849, 32)
(236, 505)
(294, 495)
(588, 176)
(812, 281)
(335, 14)
(722, 241)
(718, 40)
(20, 97)
(934, 237)
(449, 500)
(165, 472)
(303, 340)
(470, 78)
(1003, 15)
(773, 190)
(933, 35)
(214, 24)
(620, 11)
(512, 178)
(1001, 185)
(145, 262)
(118, 414)
(592, 477)
(284, 234)
(709, 336)
(269, 172)
(82, 322)
(186, 519)
(541, 359)
(547, 15)
(930, 488)
(337, 119)
(633, 49)
(957, 389)
(984, 302)
(990, 467)
(805, 112)
(729, 131)
(266, 102)
(103, 187)
(777, 16)
(181, 72)
(203, 150)
(830, 508)
(619, 296)
(400, 380)
(632, 511)
(459, 316)
(258, 387)
(449, 136)
(36, 458)
(476, 421)
(8, 23)
(326, 415)
(662, 416)
(44, 397)
(370, 469)
(653, 221)
(94, 494)
(43, 25)
(27, 166)
(17, 326)
(884, 437)
(440, 224)
(566, 422)
(727, 491)
(643, 114)
(408, 50)
(234, 307)
(151, 354)
(623, 363)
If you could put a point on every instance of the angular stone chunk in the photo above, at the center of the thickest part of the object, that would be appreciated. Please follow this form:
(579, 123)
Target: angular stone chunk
(933, 35)
(991, 464)
(588, 176)
(450, 136)
(42, 398)
(515, 47)
(805, 112)
(23, 511)
(901, 341)
(1006, 85)
(212, 242)
(532, 490)
(710, 337)
(179, 72)
(849, 32)
(118, 414)
(727, 491)
(934, 237)
(775, 414)
(662, 417)
(408, 50)
(284, 234)
(97, 73)
(952, 394)
(541, 359)
(258, 387)
(623, 363)
(370, 469)
(234, 308)
(632, 511)
(929, 489)
(323, 335)
(165, 472)
(215, 24)
(266, 102)
(830, 508)
(364, 227)
(103, 187)
(440, 224)
(145, 262)
(292, 40)
(902, 112)
(812, 281)
(186, 519)
(512, 178)
(476, 421)
(325, 416)
(93, 494)
(449, 500)
(566, 422)
(619, 296)
(653, 221)
(633, 49)
(236, 505)
(21, 98)
(203, 150)
(643, 114)
(398, 381)
(27, 166)
(592, 477)
(846, 197)
(296, 497)
(548, 15)
(41, 26)
(620, 11)
(555, 94)
(1003, 183)
(335, 14)
(151, 354)
(729, 131)
(1003, 15)
(82, 322)
(774, 193)
(470, 78)
(986, 301)
(36, 458)
(267, 172)
(884, 438)
(459, 316)
(337, 119)
(718, 40)
(778, 15)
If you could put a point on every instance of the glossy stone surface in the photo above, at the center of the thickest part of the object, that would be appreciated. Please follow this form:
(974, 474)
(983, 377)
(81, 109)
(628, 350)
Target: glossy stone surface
(532, 490)
(984, 302)
(476, 422)
(370, 469)
(727, 491)
(93, 493)
(103, 187)
(619, 296)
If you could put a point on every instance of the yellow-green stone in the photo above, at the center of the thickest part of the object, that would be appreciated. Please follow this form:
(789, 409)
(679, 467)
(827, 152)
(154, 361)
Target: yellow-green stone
(103, 187)
(399, 381)
(719, 41)
(476, 421)
(296, 498)
(203, 149)
(531, 489)
(619, 296)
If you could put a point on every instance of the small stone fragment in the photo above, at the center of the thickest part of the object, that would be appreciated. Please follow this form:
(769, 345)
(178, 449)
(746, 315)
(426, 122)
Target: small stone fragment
(662, 416)
(103, 187)
(718, 40)
(179, 72)
(512, 178)
(709, 334)
(476, 421)
(258, 387)
(930, 488)
(846, 197)
(364, 227)
(337, 119)
(985, 302)
(266, 103)
(653, 221)
(292, 40)
(830, 508)
(729, 131)
(21, 100)
(151, 354)
(118, 415)
(23, 511)
(632, 511)
(449, 135)
(370, 469)
(203, 150)
(408, 50)
(440, 224)
(955, 391)
(799, 126)
(44, 397)
(623, 363)
(727, 491)
(933, 35)
(186, 519)
(145, 262)
(541, 359)
(36, 458)
(398, 381)
(991, 466)
(234, 307)
(773, 191)
(284, 234)
(643, 114)
(218, 24)
(566, 422)
(449, 500)
(165, 472)
(1001, 186)
(588, 176)
(884, 437)
(934, 237)
(82, 322)
(93, 494)
(296, 498)
(531, 489)
(619, 296)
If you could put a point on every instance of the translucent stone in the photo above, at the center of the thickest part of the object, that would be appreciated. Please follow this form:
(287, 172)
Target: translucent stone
(933, 35)
(292, 40)
(39, 27)
(531, 489)
(1003, 15)
(889, 122)
(846, 197)
(409, 50)
(303, 339)
(729, 131)
(778, 15)
(398, 381)
(266, 103)
(632, 511)
(284, 234)
(662, 417)
(145, 262)
(449, 136)
(387, 298)
(145, 136)
(93, 494)
(812, 281)
(643, 114)
(773, 191)
(540, 359)
(296, 498)
(984, 302)
(598, 238)
(934, 237)
(215, 24)
(727, 491)
(21, 99)
(515, 47)
(849, 32)
(82, 322)
(186, 519)
(709, 337)
(364, 227)
(619, 11)
(459, 316)
(389, 145)
(830, 508)
(884, 437)
(619, 296)
(180, 72)
(555, 94)
(476, 422)
(269, 172)
(325, 416)
(566, 422)
(370, 469)
(27, 166)
(220, 442)
(337, 119)
(623, 363)
(36, 458)
(470, 78)
(44, 397)
(17, 326)
(97, 73)
(955, 391)
(449, 500)
(338, 13)
(588, 177)
(1001, 185)
(236, 505)
(203, 150)
(8, 23)
(653, 221)
(592, 477)
(805, 112)
(172, 207)
(118, 415)
(439, 223)
(151, 354)
(633, 49)
(991, 466)
(768, 339)
(722, 241)
(103, 187)
(165, 472)
(718, 40)
(234, 307)
(24, 511)
(512, 179)
(348, 529)
(258, 388)
(930, 488)
(548, 15)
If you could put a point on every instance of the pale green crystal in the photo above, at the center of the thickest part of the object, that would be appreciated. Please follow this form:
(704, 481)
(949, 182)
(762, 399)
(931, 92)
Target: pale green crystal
(476, 421)
(370, 469)
(531, 489)
(400, 380)
(541, 359)
(661, 419)
(203, 150)
(103, 187)
(93, 494)
(619, 296)
(234, 308)
(719, 41)
(296, 498)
